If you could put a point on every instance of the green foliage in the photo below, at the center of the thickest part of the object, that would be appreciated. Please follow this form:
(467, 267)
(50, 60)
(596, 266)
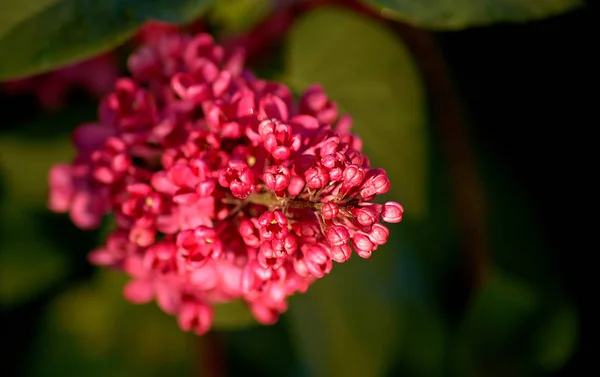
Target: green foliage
(342, 326)
(236, 16)
(29, 263)
(233, 315)
(19, 155)
(545, 319)
(40, 35)
(346, 324)
(452, 14)
(557, 338)
(372, 76)
(489, 338)
(92, 328)
(500, 307)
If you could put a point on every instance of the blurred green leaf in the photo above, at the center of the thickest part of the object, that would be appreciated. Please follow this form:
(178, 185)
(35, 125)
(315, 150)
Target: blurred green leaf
(499, 308)
(92, 328)
(513, 326)
(28, 152)
(490, 338)
(239, 15)
(369, 318)
(342, 326)
(347, 324)
(519, 247)
(25, 165)
(370, 73)
(259, 351)
(233, 315)
(519, 250)
(40, 35)
(557, 338)
(29, 264)
(422, 340)
(451, 14)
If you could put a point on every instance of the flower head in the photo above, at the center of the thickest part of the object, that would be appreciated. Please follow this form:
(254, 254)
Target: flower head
(222, 188)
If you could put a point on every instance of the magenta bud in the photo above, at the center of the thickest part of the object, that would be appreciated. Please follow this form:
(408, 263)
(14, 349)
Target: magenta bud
(329, 210)
(365, 216)
(353, 176)
(392, 212)
(316, 177)
(379, 234)
(296, 185)
(340, 254)
(318, 261)
(277, 178)
(337, 235)
(362, 244)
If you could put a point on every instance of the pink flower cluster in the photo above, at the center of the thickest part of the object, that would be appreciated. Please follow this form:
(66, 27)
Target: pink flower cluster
(221, 186)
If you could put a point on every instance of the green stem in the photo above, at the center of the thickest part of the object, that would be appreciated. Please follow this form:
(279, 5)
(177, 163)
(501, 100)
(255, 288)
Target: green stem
(266, 199)
(273, 202)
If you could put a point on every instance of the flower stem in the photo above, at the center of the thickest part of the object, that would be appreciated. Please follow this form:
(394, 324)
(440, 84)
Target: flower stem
(273, 202)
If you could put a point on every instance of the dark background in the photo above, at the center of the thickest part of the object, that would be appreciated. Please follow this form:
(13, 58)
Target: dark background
(532, 86)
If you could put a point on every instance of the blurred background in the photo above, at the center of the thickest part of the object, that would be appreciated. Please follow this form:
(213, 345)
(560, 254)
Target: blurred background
(482, 131)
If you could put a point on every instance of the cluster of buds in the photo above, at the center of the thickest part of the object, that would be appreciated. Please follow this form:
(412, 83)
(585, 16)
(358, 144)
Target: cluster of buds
(221, 187)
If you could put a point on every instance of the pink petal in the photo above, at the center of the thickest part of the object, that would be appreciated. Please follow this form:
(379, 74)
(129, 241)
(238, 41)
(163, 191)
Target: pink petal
(273, 107)
(139, 291)
(168, 296)
(61, 188)
(91, 136)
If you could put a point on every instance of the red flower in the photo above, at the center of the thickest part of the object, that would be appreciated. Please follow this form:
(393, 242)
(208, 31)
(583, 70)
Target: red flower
(222, 188)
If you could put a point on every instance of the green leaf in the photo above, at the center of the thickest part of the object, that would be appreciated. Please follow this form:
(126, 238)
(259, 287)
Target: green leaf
(34, 157)
(452, 14)
(518, 324)
(33, 147)
(421, 352)
(233, 315)
(40, 35)
(259, 351)
(519, 247)
(30, 261)
(557, 338)
(92, 328)
(369, 318)
(501, 306)
(29, 264)
(239, 15)
(347, 323)
(490, 337)
(372, 76)
(342, 326)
